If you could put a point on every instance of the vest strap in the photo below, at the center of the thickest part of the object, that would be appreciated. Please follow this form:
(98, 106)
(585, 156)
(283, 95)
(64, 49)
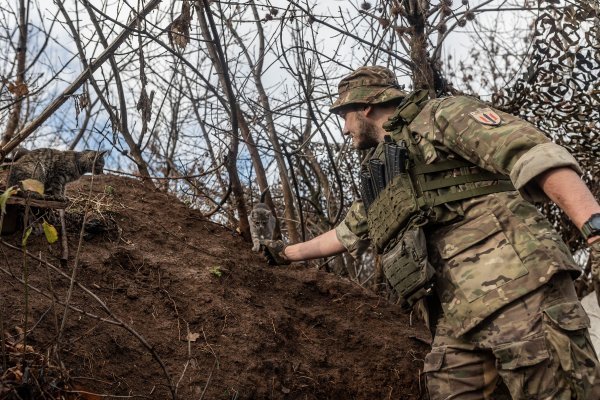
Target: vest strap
(501, 186)
(445, 165)
(458, 180)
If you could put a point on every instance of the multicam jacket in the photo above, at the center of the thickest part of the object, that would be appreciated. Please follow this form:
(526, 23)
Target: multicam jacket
(489, 250)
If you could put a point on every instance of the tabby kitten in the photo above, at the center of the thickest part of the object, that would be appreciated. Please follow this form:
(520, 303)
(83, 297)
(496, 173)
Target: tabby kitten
(54, 168)
(262, 223)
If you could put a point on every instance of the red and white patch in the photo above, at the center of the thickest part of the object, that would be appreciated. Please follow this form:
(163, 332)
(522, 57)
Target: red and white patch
(486, 116)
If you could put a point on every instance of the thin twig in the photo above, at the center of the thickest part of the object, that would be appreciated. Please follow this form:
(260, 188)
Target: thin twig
(2, 343)
(111, 396)
(64, 256)
(182, 375)
(75, 265)
(25, 271)
(208, 379)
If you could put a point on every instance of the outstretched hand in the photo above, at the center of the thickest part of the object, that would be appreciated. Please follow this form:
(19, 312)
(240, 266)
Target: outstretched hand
(274, 252)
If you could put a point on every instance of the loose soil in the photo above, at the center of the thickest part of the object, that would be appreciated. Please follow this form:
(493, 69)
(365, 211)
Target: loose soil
(223, 323)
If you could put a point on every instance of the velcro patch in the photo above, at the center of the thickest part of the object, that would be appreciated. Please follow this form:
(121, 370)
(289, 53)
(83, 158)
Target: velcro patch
(486, 116)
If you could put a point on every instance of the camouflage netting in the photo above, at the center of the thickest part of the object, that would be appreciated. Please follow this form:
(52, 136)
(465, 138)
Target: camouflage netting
(560, 92)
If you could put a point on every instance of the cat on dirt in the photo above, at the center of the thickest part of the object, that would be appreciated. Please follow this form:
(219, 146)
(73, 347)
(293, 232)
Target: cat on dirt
(262, 223)
(54, 168)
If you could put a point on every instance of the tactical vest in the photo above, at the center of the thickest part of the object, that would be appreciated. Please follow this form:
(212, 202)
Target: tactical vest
(401, 193)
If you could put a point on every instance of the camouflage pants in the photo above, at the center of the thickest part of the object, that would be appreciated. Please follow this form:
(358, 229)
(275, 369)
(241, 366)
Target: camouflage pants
(538, 347)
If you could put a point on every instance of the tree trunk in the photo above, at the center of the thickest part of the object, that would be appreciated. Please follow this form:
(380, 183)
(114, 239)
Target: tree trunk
(421, 69)
(20, 92)
(218, 58)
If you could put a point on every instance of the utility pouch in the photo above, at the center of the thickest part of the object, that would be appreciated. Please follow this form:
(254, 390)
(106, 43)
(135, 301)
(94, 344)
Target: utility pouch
(407, 267)
(377, 170)
(366, 188)
(391, 210)
(396, 157)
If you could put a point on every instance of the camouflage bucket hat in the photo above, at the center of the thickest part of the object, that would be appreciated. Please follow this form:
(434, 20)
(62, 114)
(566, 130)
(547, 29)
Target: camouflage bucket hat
(367, 85)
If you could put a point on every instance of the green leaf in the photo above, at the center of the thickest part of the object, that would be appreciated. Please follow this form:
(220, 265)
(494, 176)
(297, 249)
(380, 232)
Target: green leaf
(33, 185)
(26, 236)
(5, 196)
(216, 271)
(50, 232)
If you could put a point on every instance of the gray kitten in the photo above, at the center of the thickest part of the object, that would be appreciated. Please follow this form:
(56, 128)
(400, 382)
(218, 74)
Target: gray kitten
(54, 168)
(262, 223)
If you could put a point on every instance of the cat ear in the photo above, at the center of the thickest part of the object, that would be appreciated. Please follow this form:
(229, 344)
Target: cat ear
(101, 153)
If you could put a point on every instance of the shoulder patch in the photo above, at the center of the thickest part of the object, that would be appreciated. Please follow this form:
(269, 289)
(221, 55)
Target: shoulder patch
(486, 116)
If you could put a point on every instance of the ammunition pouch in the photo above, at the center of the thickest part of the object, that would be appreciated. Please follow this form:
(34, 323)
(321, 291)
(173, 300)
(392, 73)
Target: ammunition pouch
(406, 265)
(391, 210)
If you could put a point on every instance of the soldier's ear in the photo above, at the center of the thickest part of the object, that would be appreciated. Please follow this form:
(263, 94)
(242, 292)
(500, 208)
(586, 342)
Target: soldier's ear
(368, 110)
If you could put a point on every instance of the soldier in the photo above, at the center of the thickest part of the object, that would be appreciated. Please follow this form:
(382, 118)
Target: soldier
(447, 190)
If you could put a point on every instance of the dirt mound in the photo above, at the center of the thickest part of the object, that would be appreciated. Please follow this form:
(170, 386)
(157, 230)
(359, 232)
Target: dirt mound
(222, 323)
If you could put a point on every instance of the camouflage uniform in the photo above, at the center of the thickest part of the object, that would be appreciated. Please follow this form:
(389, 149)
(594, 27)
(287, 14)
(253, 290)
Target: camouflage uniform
(503, 276)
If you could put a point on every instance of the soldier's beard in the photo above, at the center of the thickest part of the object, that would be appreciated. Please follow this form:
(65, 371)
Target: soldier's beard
(366, 134)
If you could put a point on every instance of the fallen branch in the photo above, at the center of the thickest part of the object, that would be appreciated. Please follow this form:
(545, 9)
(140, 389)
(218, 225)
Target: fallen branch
(23, 201)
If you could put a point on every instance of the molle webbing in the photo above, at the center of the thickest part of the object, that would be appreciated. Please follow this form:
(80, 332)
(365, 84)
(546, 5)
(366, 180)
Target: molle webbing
(457, 180)
(391, 210)
(436, 200)
(440, 166)
(432, 199)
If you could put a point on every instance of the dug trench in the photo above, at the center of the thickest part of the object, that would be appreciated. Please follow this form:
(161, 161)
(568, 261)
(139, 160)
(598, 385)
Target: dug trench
(166, 303)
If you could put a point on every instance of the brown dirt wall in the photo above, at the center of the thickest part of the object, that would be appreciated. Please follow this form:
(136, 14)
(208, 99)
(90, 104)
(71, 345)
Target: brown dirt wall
(225, 325)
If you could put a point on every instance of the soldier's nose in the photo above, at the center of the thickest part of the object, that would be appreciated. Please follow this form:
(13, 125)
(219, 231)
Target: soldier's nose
(345, 131)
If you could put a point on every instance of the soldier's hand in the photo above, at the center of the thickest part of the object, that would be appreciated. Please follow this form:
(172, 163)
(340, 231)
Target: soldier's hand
(274, 252)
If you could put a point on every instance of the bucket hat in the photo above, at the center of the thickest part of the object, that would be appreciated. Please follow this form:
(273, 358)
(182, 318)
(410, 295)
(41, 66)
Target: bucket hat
(367, 85)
